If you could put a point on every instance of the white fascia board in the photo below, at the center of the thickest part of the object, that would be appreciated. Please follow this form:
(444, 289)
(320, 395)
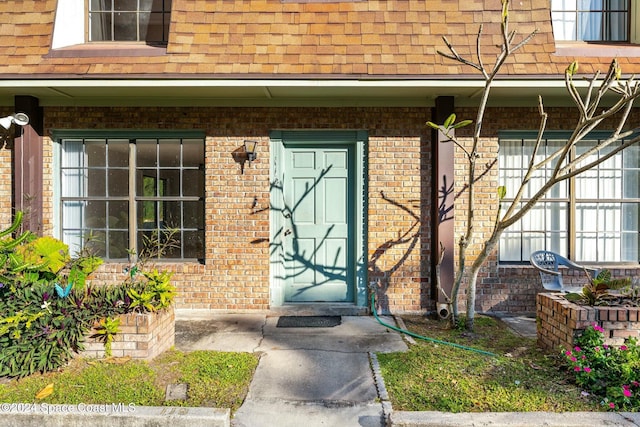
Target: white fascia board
(229, 83)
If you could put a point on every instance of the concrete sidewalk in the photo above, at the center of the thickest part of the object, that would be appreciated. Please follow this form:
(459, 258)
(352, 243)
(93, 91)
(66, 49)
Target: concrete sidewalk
(306, 376)
(329, 376)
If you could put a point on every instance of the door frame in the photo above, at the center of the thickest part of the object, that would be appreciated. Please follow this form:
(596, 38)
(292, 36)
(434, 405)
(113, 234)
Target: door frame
(358, 140)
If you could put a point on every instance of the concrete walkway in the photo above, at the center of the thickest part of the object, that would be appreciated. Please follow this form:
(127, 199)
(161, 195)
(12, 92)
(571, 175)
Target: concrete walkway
(306, 376)
(329, 376)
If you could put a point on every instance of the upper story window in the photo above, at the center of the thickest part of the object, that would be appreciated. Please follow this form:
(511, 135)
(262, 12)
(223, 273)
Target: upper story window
(78, 22)
(591, 20)
(129, 20)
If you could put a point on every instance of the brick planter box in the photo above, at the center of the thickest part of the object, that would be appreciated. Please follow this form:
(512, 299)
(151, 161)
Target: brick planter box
(140, 335)
(561, 321)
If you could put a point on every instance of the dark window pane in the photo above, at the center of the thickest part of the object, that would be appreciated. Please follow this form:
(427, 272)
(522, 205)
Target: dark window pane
(95, 214)
(118, 244)
(193, 154)
(154, 31)
(96, 153)
(616, 26)
(152, 242)
(118, 182)
(119, 214)
(97, 243)
(127, 5)
(118, 153)
(193, 243)
(101, 5)
(170, 153)
(193, 184)
(170, 182)
(174, 252)
(171, 214)
(146, 183)
(149, 215)
(146, 241)
(125, 26)
(194, 215)
(143, 18)
(146, 153)
(97, 183)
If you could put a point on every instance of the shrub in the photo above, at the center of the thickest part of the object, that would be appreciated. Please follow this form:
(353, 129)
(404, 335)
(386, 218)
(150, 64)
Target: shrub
(610, 373)
(48, 309)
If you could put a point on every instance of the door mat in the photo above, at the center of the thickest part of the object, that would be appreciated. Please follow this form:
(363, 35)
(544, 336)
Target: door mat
(308, 321)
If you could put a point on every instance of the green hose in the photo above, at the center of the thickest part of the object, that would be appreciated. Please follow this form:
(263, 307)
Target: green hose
(404, 331)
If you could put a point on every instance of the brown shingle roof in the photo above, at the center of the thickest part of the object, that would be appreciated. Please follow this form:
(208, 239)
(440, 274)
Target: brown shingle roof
(377, 38)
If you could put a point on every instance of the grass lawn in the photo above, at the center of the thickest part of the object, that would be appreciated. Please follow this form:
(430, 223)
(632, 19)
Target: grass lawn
(214, 379)
(437, 377)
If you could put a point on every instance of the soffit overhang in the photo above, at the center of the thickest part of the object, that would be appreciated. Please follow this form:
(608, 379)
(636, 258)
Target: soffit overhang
(278, 92)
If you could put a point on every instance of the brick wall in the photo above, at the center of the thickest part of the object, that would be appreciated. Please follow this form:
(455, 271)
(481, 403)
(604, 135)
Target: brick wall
(560, 322)
(235, 275)
(140, 336)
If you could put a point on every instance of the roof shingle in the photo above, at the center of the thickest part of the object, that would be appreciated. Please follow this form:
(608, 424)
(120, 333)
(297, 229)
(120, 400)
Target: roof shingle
(382, 38)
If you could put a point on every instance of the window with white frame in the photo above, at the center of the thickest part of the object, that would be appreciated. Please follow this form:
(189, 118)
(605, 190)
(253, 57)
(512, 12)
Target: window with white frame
(591, 20)
(592, 217)
(80, 21)
(129, 20)
(122, 193)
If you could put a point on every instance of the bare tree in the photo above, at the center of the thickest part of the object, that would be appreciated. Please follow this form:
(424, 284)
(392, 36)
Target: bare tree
(592, 112)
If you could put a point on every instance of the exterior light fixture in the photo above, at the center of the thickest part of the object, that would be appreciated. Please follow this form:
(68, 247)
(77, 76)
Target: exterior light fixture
(250, 150)
(20, 119)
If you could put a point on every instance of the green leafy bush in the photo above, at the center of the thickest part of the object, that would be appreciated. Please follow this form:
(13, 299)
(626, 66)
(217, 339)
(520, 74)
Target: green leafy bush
(47, 308)
(598, 292)
(610, 373)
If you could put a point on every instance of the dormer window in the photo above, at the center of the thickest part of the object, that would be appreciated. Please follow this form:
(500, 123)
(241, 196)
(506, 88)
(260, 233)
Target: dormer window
(129, 20)
(79, 22)
(591, 20)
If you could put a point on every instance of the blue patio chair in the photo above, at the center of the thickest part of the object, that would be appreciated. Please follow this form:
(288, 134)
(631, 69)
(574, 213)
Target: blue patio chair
(547, 264)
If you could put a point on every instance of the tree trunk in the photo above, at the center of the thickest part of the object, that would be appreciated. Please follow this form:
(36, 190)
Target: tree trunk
(488, 247)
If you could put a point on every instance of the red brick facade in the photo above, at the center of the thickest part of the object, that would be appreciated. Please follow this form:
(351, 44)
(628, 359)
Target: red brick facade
(235, 274)
(561, 322)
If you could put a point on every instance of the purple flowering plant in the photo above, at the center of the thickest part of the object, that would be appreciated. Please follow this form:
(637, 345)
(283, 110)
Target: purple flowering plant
(608, 372)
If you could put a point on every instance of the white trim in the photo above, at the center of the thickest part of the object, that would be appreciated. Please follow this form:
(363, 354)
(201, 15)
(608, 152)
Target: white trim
(68, 28)
(268, 83)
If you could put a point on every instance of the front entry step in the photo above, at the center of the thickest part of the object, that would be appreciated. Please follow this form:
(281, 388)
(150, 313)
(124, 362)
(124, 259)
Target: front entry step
(315, 309)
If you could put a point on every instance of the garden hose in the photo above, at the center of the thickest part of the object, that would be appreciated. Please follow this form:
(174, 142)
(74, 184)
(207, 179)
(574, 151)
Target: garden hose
(434, 340)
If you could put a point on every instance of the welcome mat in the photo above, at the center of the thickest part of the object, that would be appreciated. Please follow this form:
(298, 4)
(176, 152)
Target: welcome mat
(308, 321)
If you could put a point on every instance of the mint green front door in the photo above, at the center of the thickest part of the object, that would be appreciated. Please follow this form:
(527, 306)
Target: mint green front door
(318, 246)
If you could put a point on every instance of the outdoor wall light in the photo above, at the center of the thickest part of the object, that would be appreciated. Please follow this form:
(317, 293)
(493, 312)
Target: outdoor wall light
(250, 150)
(20, 119)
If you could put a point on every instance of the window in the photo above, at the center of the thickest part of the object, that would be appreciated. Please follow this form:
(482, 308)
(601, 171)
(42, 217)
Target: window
(80, 21)
(590, 218)
(157, 182)
(591, 20)
(129, 20)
